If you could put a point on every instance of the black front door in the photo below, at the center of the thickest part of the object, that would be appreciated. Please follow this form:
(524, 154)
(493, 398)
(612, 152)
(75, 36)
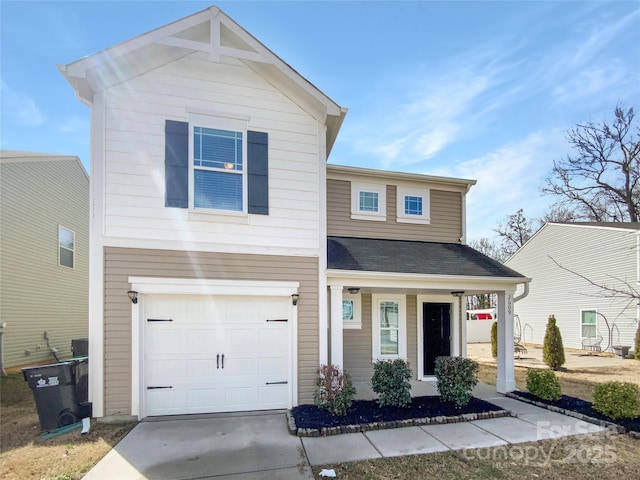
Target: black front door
(436, 333)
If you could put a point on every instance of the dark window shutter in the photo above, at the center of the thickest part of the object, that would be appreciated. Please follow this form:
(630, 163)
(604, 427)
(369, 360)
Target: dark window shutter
(176, 164)
(258, 172)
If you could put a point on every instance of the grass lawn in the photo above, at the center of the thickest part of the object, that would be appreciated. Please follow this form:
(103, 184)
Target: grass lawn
(24, 455)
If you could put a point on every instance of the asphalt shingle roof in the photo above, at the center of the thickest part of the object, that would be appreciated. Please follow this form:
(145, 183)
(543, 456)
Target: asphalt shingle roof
(400, 256)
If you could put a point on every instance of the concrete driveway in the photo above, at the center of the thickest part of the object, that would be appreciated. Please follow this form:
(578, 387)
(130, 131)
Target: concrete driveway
(246, 446)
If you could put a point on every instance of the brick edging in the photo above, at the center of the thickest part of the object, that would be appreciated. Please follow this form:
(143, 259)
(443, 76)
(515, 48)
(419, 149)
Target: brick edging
(411, 422)
(579, 416)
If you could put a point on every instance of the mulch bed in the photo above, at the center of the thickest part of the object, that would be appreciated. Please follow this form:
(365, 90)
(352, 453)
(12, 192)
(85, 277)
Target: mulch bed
(365, 415)
(581, 409)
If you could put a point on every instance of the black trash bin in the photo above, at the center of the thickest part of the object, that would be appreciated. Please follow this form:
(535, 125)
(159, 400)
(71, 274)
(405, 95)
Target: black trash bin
(80, 347)
(55, 392)
(81, 375)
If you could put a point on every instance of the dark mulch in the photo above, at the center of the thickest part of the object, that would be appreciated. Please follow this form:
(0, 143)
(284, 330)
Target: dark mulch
(585, 408)
(368, 411)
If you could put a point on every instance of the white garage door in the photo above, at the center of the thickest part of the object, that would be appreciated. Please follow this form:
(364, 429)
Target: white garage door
(205, 354)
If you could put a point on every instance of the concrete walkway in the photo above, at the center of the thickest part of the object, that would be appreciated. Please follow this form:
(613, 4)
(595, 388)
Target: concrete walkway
(258, 446)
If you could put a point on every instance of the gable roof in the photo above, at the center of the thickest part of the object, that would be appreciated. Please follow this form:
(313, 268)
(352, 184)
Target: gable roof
(210, 32)
(623, 227)
(423, 258)
(18, 156)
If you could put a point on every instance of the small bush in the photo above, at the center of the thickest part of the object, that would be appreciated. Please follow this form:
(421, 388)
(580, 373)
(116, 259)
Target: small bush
(616, 399)
(552, 349)
(456, 378)
(637, 351)
(494, 339)
(543, 384)
(391, 382)
(335, 390)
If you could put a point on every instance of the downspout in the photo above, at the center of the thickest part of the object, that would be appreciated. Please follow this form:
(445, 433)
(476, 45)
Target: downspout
(523, 294)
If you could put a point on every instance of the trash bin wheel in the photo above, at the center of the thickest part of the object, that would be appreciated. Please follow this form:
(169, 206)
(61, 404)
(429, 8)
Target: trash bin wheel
(66, 417)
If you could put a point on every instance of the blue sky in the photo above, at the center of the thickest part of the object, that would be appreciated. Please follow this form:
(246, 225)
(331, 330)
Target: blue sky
(482, 90)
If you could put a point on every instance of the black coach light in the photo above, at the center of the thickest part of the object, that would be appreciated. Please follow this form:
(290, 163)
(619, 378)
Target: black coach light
(295, 297)
(133, 296)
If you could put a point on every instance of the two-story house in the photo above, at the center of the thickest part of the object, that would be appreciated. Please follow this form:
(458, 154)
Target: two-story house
(228, 259)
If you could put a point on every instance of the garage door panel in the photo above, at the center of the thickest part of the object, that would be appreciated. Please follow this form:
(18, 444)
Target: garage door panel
(204, 340)
(182, 354)
(204, 367)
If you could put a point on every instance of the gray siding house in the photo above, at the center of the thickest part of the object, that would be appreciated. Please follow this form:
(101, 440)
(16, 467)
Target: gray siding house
(44, 255)
(248, 260)
(567, 263)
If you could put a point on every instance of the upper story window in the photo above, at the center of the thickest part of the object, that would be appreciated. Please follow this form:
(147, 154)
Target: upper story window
(368, 201)
(218, 169)
(413, 205)
(66, 247)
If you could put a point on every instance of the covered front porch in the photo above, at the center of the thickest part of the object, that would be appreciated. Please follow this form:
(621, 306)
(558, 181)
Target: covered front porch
(395, 299)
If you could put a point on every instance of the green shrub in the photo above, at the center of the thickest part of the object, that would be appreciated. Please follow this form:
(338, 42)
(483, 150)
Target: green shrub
(456, 378)
(391, 382)
(494, 339)
(335, 390)
(616, 399)
(543, 384)
(637, 352)
(552, 349)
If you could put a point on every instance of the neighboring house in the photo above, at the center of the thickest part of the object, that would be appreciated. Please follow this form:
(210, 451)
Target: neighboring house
(44, 255)
(566, 262)
(213, 206)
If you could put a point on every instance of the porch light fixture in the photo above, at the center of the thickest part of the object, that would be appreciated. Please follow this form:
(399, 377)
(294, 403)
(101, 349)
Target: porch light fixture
(133, 296)
(294, 298)
(457, 293)
(353, 290)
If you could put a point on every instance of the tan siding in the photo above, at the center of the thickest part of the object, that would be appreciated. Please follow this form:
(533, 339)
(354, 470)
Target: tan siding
(357, 346)
(37, 294)
(445, 226)
(121, 263)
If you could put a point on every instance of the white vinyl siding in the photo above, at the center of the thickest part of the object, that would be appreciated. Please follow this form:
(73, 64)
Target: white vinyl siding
(135, 114)
(605, 256)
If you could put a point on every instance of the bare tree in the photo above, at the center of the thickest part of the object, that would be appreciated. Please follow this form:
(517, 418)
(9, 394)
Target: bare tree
(600, 181)
(513, 232)
(490, 249)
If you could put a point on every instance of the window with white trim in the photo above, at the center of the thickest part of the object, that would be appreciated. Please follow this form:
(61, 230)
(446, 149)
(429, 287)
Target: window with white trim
(351, 310)
(389, 330)
(218, 169)
(588, 323)
(66, 247)
(368, 201)
(413, 205)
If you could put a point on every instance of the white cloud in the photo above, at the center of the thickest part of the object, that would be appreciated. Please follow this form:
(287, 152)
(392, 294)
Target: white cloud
(18, 108)
(508, 178)
(74, 124)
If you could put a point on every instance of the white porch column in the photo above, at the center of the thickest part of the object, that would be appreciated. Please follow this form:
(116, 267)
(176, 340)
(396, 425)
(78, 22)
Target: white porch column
(336, 326)
(505, 380)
